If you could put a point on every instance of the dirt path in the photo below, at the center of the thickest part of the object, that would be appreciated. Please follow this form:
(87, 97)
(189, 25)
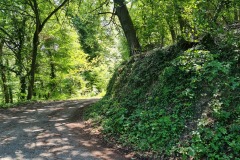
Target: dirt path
(51, 131)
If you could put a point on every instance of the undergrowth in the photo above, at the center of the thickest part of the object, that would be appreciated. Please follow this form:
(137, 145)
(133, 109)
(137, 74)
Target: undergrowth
(176, 102)
(17, 104)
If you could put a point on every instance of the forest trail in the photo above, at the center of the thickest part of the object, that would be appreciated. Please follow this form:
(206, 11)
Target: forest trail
(53, 131)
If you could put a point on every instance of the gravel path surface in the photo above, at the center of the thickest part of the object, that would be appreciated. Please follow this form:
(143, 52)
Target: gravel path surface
(47, 131)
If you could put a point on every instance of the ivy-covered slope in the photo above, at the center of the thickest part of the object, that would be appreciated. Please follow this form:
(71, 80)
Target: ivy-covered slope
(181, 101)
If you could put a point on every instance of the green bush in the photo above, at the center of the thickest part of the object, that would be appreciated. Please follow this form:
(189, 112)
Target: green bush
(176, 102)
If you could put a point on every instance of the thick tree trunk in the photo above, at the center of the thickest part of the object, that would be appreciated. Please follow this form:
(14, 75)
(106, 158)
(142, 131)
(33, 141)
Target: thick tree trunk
(127, 26)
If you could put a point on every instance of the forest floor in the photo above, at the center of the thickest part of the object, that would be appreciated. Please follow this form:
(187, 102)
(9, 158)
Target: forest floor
(54, 131)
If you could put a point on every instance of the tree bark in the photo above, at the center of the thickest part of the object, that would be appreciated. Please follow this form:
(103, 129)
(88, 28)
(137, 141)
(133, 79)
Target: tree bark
(15, 41)
(178, 13)
(23, 87)
(127, 26)
(33, 64)
(10, 95)
(3, 75)
(9, 87)
(52, 75)
(5, 87)
(236, 14)
(172, 31)
(52, 66)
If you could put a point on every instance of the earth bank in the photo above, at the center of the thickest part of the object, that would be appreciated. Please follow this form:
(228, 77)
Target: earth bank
(182, 101)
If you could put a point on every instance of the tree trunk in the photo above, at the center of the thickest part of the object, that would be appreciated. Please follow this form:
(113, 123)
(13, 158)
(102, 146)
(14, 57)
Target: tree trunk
(23, 87)
(38, 28)
(178, 13)
(20, 64)
(52, 74)
(236, 14)
(3, 75)
(33, 64)
(5, 87)
(127, 26)
(9, 87)
(172, 31)
(10, 95)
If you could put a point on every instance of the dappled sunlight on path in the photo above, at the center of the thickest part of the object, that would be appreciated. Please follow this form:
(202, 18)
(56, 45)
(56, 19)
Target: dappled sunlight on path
(42, 131)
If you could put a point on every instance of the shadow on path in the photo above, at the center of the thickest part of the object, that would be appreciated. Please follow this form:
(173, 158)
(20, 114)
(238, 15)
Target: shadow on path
(41, 131)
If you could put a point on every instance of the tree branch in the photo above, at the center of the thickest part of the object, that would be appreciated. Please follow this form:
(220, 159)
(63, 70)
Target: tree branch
(8, 35)
(29, 2)
(8, 68)
(5, 32)
(107, 13)
(105, 2)
(52, 13)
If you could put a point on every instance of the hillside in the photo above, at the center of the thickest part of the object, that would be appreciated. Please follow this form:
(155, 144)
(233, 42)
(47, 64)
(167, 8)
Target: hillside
(180, 101)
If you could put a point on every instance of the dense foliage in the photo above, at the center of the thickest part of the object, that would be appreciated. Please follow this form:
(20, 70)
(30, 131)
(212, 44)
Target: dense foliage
(176, 101)
(52, 56)
(159, 23)
(180, 101)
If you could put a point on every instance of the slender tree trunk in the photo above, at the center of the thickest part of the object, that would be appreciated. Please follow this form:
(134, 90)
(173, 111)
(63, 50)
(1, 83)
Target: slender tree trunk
(180, 19)
(236, 14)
(5, 87)
(10, 93)
(127, 26)
(20, 63)
(52, 75)
(23, 87)
(21, 75)
(172, 31)
(181, 24)
(38, 28)
(33, 64)
(3, 75)
(162, 41)
(52, 66)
